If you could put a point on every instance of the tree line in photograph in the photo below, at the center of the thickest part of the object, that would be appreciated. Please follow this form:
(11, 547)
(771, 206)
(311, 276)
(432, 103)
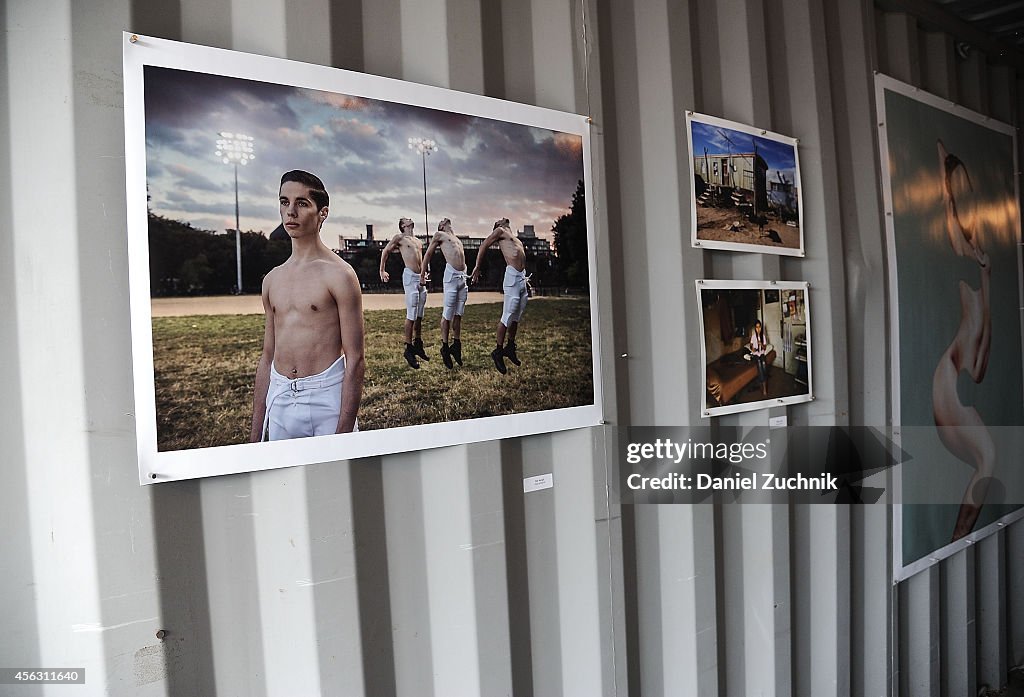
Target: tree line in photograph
(187, 261)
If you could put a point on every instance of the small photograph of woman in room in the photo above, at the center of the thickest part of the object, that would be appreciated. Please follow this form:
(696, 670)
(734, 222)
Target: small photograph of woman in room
(755, 346)
(759, 348)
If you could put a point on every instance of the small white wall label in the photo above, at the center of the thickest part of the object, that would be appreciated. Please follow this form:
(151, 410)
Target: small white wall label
(541, 481)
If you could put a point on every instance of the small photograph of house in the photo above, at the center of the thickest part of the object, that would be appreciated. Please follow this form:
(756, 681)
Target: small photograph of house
(743, 326)
(746, 188)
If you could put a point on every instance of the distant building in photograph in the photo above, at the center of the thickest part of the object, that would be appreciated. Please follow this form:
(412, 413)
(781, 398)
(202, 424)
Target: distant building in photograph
(782, 193)
(747, 171)
(536, 247)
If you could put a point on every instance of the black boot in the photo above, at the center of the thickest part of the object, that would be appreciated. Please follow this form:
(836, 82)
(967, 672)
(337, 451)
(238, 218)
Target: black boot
(417, 347)
(446, 356)
(499, 360)
(457, 350)
(410, 356)
(510, 353)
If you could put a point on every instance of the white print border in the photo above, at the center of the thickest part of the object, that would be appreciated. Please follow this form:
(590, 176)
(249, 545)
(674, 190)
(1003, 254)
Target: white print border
(692, 116)
(155, 466)
(701, 285)
(883, 83)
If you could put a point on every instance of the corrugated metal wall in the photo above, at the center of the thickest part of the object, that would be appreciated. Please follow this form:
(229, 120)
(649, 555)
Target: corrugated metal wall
(432, 574)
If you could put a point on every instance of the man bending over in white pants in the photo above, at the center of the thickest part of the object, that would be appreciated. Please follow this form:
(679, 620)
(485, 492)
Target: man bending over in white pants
(455, 289)
(415, 292)
(514, 287)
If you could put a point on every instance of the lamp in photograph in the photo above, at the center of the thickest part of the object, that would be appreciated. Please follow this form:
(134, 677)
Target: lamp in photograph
(424, 146)
(236, 149)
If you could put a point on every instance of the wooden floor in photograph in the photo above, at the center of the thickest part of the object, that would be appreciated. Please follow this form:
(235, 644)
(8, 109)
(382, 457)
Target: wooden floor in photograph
(780, 384)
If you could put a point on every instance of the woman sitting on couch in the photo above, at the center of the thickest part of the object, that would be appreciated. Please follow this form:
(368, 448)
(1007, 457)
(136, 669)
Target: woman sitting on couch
(759, 349)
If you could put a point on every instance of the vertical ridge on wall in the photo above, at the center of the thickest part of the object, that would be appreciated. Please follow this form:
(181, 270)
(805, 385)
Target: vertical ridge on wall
(850, 28)
(21, 644)
(382, 38)
(202, 22)
(674, 561)
(95, 590)
(615, 365)
(617, 596)
(236, 657)
(939, 64)
(261, 26)
(807, 112)
(990, 618)
(493, 39)
(542, 578)
(578, 504)
(121, 513)
(466, 45)
(755, 538)
(1001, 94)
(430, 501)
(517, 50)
(626, 192)
(183, 594)
(284, 581)
(554, 49)
(373, 577)
(802, 106)
(920, 662)
(577, 501)
(490, 572)
(346, 25)
(900, 47)
(307, 29)
(1015, 593)
(973, 81)
(618, 125)
(517, 565)
(341, 645)
(739, 49)
(407, 577)
(860, 224)
(163, 20)
(426, 41)
(959, 663)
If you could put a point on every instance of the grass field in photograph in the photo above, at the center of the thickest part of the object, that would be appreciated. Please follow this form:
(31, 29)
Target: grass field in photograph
(205, 366)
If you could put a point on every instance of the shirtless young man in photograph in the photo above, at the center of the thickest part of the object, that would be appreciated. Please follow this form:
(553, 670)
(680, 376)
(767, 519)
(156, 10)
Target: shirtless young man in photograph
(455, 289)
(310, 376)
(415, 292)
(514, 287)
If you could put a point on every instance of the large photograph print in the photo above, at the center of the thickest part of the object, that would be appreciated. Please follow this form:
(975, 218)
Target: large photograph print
(746, 188)
(953, 233)
(328, 265)
(756, 346)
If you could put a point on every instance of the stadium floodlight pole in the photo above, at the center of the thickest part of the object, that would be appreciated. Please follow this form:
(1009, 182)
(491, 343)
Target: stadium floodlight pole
(235, 149)
(424, 146)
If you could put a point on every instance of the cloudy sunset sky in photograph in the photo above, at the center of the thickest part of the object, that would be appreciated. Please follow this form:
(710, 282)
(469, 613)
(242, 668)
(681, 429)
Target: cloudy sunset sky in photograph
(483, 170)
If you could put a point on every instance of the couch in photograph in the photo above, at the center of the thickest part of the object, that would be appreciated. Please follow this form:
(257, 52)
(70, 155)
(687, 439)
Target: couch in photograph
(729, 374)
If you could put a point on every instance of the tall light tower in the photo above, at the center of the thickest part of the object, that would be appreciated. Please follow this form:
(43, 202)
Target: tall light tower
(424, 146)
(235, 149)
